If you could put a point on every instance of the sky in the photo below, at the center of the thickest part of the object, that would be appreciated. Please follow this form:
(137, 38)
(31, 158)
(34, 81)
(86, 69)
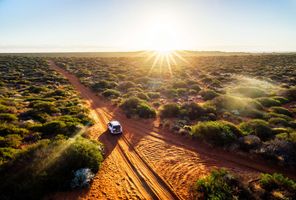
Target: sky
(131, 25)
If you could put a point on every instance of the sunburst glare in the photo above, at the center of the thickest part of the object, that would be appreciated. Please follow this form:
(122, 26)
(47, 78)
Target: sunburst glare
(164, 61)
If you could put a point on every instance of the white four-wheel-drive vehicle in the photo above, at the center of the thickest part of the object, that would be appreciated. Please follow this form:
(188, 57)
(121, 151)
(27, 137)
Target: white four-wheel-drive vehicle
(114, 127)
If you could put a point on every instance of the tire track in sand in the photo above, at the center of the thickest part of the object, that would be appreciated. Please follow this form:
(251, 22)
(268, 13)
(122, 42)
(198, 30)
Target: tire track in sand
(142, 179)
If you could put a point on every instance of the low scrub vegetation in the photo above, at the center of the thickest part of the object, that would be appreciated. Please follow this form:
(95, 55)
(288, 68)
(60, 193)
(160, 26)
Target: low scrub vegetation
(40, 121)
(255, 93)
(135, 106)
(216, 132)
(222, 184)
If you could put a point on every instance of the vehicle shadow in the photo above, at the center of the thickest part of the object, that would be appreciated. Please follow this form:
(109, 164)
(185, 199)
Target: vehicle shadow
(109, 140)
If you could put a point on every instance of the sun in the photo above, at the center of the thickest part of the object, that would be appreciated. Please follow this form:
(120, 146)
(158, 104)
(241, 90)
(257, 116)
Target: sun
(162, 34)
(164, 52)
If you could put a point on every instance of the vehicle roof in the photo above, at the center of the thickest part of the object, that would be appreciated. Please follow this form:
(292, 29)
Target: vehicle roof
(115, 123)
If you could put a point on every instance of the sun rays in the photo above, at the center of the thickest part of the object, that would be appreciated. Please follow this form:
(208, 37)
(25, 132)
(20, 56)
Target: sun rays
(164, 61)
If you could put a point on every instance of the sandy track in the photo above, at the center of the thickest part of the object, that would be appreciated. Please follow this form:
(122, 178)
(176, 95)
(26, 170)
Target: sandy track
(147, 163)
(124, 174)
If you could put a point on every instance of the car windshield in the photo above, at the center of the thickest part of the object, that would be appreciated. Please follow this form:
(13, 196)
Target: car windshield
(116, 128)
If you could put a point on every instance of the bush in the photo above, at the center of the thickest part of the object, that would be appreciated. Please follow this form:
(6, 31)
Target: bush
(170, 110)
(111, 93)
(6, 129)
(145, 111)
(7, 154)
(53, 128)
(130, 105)
(277, 181)
(170, 93)
(282, 100)
(12, 140)
(82, 178)
(281, 110)
(249, 142)
(268, 101)
(287, 136)
(278, 121)
(290, 93)
(37, 89)
(49, 167)
(102, 85)
(208, 94)
(125, 85)
(58, 92)
(6, 109)
(135, 106)
(195, 87)
(181, 91)
(280, 151)
(257, 127)
(219, 133)
(192, 110)
(6, 117)
(153, 95)
(221, 184)
(43, 106)
(143, 96)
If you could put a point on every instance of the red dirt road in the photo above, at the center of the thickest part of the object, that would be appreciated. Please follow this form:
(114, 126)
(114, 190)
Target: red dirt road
(145, 162)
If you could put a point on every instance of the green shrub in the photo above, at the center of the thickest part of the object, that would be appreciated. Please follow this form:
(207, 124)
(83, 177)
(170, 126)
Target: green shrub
(135, 106)
(6, 117)
(208, 94)
(221, 184)
(192, 110)
(57, 92)
(6, 129)
(287, 136)
(170, 110)
(276, 115)
(125, 85)
(195, 87)
(179, 84)
(53, 128)
(278, 121)
(281, 110)
(37, 89)
(277, 181)
(282, 100)
(6, 109)
(268, 101)
(49, 167)
(102, 85)
(7, 154)
(290, 93)
(130, 104)
(43, 106)
(181, 91)
(145, 111)
(220, 133)
(11, 140)
(153, 95)
(280, 130)
(257, 127)
(143, 96)
(111, 93)
(83, 153)
(170, 93)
